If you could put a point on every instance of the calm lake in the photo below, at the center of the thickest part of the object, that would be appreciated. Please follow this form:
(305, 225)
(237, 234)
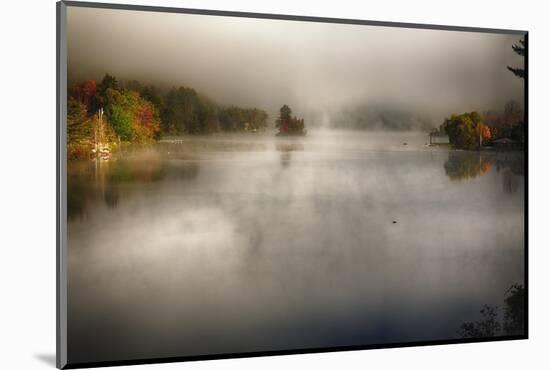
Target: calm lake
(230, 243)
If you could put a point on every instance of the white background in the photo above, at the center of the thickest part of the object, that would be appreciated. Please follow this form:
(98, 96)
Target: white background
(27, 180)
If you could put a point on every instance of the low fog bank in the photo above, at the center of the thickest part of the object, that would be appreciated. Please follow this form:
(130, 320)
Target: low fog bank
(375, 117)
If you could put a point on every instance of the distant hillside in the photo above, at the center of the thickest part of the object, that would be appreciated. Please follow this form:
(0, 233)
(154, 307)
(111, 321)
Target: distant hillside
(379, 117)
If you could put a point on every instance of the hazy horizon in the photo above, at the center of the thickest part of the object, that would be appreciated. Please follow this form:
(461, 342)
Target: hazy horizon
(319, 69)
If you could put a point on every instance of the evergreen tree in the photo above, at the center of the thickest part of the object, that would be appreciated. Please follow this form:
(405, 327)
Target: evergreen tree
(520, 50)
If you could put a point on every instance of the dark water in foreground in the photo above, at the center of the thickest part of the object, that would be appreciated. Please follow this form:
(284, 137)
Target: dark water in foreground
(248, 243)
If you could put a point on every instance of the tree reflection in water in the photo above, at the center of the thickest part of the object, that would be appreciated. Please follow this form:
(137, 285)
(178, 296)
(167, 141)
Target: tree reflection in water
(88, 181)
(512, 167)
(494, 321)
(469, 165)
(286, 149)
(465, 165)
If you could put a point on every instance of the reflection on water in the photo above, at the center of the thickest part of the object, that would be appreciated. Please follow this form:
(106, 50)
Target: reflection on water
(90, 181)
(468, 165)
(247, 243)
(286, 149)
(464, 166)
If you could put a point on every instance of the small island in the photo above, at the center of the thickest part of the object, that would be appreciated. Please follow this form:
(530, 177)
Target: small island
(288, 125)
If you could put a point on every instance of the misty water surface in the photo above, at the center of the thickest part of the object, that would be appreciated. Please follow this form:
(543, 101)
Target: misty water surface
(224, 244)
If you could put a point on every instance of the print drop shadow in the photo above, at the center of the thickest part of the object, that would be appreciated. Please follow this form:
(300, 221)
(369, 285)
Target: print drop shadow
(47, 358)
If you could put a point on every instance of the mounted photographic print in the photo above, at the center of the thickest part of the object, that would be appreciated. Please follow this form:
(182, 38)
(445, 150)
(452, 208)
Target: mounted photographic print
(238, 184)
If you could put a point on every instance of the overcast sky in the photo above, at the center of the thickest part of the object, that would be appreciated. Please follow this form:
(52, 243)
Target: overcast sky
(313, 67)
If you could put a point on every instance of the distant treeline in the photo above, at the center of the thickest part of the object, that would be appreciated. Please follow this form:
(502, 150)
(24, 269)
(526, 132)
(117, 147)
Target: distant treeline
(380, 117)
(101, 115)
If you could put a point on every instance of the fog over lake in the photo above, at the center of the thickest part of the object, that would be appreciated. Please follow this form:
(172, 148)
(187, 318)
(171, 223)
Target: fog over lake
(242, 185)
(316, 68)
(231, 243)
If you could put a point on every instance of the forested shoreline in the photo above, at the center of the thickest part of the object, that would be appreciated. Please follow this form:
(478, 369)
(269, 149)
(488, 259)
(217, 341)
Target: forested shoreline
(103, 115)
(506, 129)
(472, 130)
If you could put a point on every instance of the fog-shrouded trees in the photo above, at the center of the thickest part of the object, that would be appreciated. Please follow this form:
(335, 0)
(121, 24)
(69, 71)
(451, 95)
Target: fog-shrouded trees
(466, 131)
(110, 112)
(187, 112)
(285, 112)
(132, 117)
(471, 130)
(242, 119)
(289, 125)
(78, 124)
(101, 115)
(520, 50)
(181, 112)
(508, 123)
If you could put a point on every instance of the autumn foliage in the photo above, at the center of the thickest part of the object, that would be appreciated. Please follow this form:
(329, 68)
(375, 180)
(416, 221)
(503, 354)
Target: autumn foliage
(508, 123)
(147, 122)
(289, 125)
(466, 131)
(106, 114)
(130, 112)
(464, 166)
(86, 93)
